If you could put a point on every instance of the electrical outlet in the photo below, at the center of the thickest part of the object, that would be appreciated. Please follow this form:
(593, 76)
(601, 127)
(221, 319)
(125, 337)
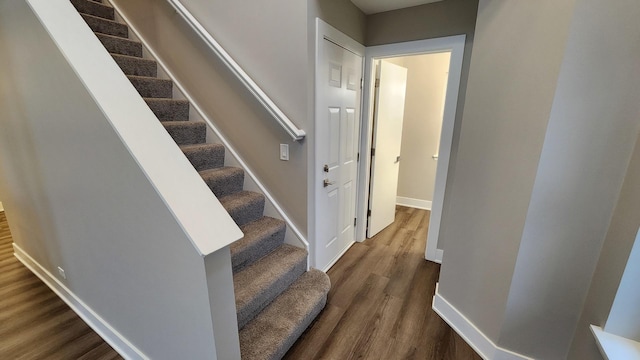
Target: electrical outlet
(284, 152)
(61, 272)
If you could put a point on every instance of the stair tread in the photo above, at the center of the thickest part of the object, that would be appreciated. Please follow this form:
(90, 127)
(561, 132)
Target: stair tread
(120, 45)
(271, 334)
(167, 109)
(117, 29)
(204, 156)
(244, 206)
(132, 65)
(261, 282)
(200, 146)
(165, 100)
(260, 238)
(96, 7)
(224, 180)
(194, 124)
(150, 87)
(148, 78)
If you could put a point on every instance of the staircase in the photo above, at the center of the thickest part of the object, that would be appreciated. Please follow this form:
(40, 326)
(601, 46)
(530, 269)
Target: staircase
(276, 298)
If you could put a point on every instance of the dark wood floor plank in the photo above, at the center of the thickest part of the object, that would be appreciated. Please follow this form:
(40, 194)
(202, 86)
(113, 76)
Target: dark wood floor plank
(379, 306)
(34, 322)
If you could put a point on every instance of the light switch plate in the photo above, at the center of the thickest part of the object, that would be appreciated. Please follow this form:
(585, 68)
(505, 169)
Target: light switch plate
(284, 152)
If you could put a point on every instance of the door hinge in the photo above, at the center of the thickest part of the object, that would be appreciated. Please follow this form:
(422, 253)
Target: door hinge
(361, 83)
(369, 212)
(377, 83)
(373, 152)
(355, 221)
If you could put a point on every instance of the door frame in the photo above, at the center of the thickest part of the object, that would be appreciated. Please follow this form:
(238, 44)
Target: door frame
(455, 44)
(326, 31)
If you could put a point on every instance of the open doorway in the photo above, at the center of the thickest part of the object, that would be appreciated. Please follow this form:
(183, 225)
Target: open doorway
(424, 155)
(407, 121)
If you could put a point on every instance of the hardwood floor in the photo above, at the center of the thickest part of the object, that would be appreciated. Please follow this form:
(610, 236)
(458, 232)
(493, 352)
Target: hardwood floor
(34, 322)
(379, 306)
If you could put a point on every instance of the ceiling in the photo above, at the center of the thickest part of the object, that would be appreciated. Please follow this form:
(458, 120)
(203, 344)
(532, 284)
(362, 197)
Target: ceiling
(376, 6)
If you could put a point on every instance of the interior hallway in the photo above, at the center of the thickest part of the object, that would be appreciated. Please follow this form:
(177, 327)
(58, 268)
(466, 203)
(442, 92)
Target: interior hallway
(379, 306)
(34, 322)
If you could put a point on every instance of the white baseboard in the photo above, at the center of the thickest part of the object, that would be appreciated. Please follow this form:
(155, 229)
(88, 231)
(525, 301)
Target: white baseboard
(333, 262)
(414, 203)
(1, 207)
(470, 333)
(118, 342)
(439, 253)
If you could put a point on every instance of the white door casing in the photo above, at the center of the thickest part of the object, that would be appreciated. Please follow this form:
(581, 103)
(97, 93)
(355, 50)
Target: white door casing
(387, 140)
(454, 44)
(337, 129)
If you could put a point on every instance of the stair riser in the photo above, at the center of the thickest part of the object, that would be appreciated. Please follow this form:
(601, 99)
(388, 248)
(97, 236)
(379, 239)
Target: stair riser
(261, 248)
(281, 284)
(227, 185)
(170, 110)
(120, 46)
(208, 158)
(248, 212)
(106, 27)
(91, 8)
(187, 135)
(137, 67)
(153, 88)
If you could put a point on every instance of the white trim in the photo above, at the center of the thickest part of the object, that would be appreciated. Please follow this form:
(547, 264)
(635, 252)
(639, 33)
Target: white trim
(116, 340)
(1, 207)
(335, 260)
(454, 44)
(413, 203)
(486, 348)
(296, 133)
(614, 347)
(325, 31)
(229, 149)
(438, 257)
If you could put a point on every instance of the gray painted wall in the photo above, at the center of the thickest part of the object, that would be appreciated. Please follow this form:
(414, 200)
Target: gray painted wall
(341, 14)
(543, 152)
(592, 129)
(272, 51)
(426, 80)
(80, 200)
(508, 103)
(444, 18)
(611, 264)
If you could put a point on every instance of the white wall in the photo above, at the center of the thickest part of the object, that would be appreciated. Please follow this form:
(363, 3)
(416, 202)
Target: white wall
(426, 81)
(89, 176)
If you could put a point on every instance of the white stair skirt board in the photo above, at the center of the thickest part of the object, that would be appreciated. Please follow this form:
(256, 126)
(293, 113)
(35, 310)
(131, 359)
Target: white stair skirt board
(413, 203)
(95, 322)
(470, 333)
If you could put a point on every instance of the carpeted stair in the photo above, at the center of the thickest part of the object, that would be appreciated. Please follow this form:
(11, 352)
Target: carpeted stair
(276, 298)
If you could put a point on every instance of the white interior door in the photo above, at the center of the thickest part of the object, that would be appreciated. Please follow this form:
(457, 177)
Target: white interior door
(337, 134)
(387, 140)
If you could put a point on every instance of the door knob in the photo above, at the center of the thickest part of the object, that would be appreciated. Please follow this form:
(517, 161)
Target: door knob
(326, 182)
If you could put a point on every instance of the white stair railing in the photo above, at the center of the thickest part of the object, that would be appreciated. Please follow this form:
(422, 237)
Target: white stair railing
(296, 133)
